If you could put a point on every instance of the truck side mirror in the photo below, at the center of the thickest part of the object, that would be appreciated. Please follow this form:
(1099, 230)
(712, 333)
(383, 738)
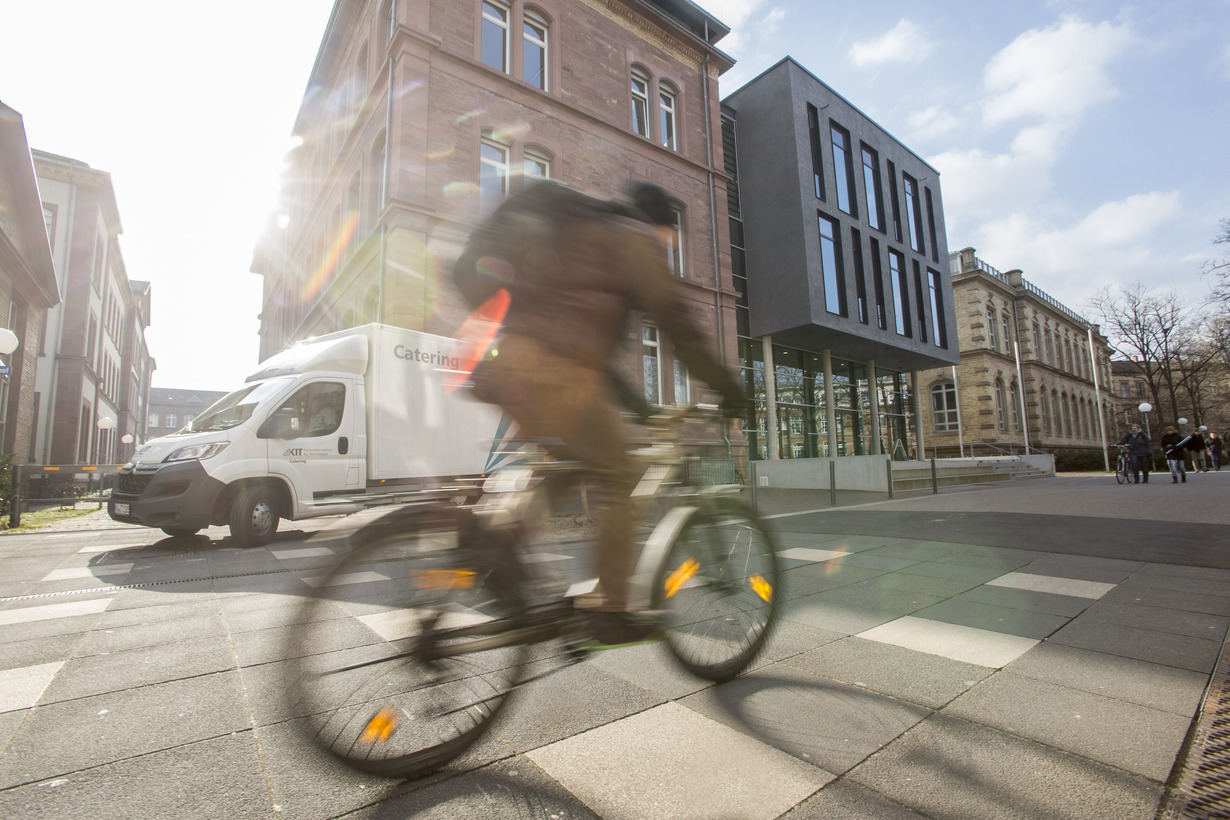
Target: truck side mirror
(283, 424)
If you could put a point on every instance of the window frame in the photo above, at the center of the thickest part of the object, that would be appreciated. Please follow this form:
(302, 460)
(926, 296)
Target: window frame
(640, 101)
(817, 150)
(502, 169)
(939, 324)
(951, 413)
(1000, 419)
(912, 215)
(651, 338)
(899, 276)
(668, 118)
(504, 25)
(843, 169)
(991, 319)
(540, 45)
(832, 274)
(871, 186)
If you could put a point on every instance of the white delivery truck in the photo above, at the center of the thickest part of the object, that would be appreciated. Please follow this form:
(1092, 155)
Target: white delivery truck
(332, 425)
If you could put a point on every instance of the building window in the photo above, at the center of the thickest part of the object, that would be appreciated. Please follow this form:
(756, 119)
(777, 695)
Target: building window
(892, 195)
(535, 166)
(378, 178)
(674, 242)
(388, 23)
(50, 213)
(1067, 350)
(871, 187)
(1007, 335)
(860, 275)
(901, 292)
(640, 103)
(944, 407)
(1046, 411)
(935, 246)
(666, 118)
(534, 55)
(939, 327)
(843, 169)
(492, 172)
(831, 272)
(1050, 353)
(991, 340)
(911, 212)
(920, 302)
(683, 384)
(817, 167)
(172, 420)
(495, 35)
(999, 404)
(1058, 350)
(878, 284)
(1015, 396)
(651, 362)
(152, 420)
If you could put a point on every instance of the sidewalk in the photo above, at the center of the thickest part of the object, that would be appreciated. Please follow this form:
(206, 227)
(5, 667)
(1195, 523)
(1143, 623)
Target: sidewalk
(1017, 651)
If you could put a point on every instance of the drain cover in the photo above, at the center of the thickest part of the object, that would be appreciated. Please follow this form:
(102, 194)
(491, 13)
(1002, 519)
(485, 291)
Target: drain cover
(1202, 791)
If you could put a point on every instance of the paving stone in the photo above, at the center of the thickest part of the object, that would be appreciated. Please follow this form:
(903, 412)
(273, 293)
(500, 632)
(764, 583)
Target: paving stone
(116, 671)
(219, 777)
(916, 677)
(843, 800)
(651, 667)
(1131, 737)
(1026, 624)
(831, 616)
(1149, 684)
(960, 643)
(1029, 600)
(671, 763)
(1181, 651)
(1176, 621)
(65, 737)
(949, 769)
(819, 720)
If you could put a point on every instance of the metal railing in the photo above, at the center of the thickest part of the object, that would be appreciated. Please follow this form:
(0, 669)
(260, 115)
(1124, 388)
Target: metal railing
(63, 485)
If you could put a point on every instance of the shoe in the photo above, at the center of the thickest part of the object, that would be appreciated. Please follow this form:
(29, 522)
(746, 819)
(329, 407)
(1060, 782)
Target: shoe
(611, 629)
(1146, 481)
(1174, 480)
(1184, 479)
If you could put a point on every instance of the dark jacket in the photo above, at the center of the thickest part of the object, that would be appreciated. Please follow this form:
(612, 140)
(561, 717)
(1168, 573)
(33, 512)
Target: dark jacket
(1197, 442)
(1139, 444)
(1173, 445)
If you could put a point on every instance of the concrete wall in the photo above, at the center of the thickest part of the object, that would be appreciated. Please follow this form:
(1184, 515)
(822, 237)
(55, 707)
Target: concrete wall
(852, 473)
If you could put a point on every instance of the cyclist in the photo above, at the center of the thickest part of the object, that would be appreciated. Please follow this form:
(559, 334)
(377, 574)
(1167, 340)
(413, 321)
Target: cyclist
(576, 268)
(1140, 452)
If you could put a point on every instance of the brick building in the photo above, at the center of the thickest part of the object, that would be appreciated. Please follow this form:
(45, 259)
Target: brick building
(1033, 373)
(94, 368)
(422, 116)
(27, 285)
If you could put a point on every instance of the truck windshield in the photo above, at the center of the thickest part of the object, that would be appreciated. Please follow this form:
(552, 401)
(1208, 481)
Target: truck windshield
(236, 408)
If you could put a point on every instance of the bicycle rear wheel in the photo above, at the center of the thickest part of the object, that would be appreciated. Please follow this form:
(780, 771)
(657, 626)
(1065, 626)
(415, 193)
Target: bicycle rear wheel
(1121, 471)
(719, 585)
(402, 659)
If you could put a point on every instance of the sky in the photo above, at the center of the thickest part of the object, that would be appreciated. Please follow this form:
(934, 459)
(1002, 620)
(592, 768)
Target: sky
(1082, 141)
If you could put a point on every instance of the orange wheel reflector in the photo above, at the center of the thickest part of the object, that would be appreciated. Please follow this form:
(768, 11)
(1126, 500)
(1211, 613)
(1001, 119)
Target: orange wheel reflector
(381, 727)
(676, 580)
(762, 587)
(445, 579)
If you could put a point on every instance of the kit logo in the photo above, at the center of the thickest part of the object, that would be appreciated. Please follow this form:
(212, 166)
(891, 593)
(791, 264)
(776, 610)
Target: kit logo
(300, 452)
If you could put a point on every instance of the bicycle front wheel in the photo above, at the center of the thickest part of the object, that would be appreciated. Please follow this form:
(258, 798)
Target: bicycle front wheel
(719, 585)
(402, 658)
(1121, 471)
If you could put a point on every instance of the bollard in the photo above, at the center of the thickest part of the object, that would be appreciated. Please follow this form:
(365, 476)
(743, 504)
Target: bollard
(935, 481)
(15, 510)
(752, 473)
(832, 483)
(889, 465)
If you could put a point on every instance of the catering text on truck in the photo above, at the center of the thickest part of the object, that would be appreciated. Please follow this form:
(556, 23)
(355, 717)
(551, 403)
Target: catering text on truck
(331, 425)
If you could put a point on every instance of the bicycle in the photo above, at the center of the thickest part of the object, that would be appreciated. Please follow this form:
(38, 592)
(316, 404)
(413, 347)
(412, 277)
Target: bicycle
(1123, 464)
(448, 591)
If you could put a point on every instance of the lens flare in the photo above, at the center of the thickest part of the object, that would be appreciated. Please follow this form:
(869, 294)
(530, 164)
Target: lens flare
(329, 264)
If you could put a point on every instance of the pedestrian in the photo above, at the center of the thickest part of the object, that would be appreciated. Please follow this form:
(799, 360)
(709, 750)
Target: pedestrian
(1140, 452)
(1215, 445)
(1197, 447)
(1174, 447)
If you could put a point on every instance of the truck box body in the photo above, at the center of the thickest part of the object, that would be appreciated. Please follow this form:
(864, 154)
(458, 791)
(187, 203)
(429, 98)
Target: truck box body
(315, 431)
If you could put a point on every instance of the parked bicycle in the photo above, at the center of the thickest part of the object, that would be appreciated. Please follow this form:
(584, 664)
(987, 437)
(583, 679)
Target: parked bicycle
(415, 640)
(1123, 464)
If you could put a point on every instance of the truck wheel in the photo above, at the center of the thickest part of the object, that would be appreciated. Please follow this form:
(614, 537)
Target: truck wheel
(181, 532)
(254, 520)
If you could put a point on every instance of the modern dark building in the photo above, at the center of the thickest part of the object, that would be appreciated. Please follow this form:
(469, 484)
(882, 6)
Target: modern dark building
(840, 261)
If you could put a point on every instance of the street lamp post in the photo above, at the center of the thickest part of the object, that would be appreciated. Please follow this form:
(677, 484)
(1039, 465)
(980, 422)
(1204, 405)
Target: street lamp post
(1144, 408)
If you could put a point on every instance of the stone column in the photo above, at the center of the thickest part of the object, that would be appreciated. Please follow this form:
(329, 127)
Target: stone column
(916, 412)
(873, 390)
(830, 411)
(770, 399)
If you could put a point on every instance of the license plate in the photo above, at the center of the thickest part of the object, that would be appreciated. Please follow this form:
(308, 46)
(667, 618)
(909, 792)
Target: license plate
(121, 509)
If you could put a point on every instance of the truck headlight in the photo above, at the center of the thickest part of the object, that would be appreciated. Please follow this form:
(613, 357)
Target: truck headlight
(197, 452)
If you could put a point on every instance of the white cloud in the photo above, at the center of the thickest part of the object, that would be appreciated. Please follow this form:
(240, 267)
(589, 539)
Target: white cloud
(933, 123)
(1110, 244)
(1056, 73)
(745, 21)
(1224, 60)
(903, 43)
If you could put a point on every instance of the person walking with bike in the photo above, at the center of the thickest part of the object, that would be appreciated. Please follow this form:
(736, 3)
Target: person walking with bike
(1174, 447)
(1140, 451)
(576, 268)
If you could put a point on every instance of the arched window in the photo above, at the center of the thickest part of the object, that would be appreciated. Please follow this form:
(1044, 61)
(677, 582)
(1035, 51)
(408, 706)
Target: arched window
(991, 340)
(667, 127)
(535, 164)
(1066, 412)
(492, 170)
(640, 102)
(495, 35)
(944, 414)
(534, 54)
(1045, 408)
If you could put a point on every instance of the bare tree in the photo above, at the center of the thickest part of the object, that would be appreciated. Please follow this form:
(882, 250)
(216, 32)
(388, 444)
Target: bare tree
(1219, 268)
(1147, 328)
